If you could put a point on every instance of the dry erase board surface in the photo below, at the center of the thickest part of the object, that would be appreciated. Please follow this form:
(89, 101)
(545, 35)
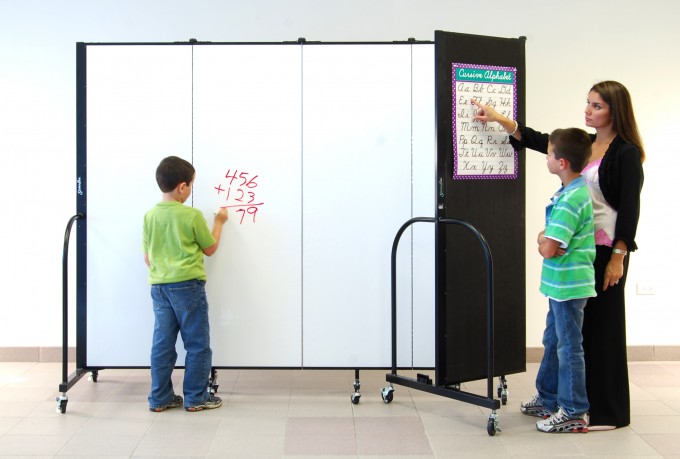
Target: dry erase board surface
(357, 193)
(247, 124)
(320, 152)
(138, 111)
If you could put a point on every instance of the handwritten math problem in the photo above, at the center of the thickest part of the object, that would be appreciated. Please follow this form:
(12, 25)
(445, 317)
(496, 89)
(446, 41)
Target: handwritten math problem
(239, 192)
(481, 150)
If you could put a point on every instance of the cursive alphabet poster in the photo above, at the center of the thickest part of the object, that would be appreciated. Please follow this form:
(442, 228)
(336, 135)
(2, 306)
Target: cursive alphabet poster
(482, 150)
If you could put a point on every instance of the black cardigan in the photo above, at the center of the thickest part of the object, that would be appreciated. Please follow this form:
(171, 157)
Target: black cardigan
(621, 179)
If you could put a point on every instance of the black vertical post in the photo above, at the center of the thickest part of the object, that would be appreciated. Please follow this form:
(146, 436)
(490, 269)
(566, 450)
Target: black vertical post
(81, 204)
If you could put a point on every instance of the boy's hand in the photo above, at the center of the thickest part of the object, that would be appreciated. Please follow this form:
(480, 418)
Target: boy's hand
(221, 215)
(541, 237)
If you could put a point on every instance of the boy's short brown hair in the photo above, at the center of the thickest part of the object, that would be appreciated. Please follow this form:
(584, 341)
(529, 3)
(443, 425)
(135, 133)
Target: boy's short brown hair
(574, 145)
(172, 171)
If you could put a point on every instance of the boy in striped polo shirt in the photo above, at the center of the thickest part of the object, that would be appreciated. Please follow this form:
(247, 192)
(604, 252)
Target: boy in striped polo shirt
(568, 279)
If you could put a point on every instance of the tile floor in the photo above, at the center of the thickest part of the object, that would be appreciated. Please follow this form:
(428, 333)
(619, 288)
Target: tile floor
(308, 413)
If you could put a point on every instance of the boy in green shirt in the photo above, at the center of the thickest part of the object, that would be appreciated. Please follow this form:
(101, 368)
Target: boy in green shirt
(175, 238)
(568, 279)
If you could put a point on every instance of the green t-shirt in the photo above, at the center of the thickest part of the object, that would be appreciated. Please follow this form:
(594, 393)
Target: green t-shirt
(569, 220)
(174, 238)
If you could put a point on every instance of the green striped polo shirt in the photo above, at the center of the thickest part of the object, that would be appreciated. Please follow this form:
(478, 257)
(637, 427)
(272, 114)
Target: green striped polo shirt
(569, 220)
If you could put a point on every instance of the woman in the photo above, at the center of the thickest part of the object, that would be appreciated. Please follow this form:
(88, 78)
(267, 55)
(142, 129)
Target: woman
(614, 176)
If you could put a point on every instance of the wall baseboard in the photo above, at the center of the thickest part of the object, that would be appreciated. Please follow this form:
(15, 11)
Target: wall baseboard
(635, 353)
(35, 354)
(534, 354)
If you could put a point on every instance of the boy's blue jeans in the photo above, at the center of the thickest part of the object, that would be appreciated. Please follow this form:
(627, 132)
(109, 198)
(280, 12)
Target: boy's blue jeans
(561, 378)
(180, 307)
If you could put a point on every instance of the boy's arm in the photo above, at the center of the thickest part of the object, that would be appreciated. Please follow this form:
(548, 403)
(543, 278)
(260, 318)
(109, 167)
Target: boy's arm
(549, 248)
(541, 238)
(220, 218)
(146, 260)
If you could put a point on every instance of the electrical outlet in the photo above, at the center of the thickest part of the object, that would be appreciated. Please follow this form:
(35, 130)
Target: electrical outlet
(645, 289)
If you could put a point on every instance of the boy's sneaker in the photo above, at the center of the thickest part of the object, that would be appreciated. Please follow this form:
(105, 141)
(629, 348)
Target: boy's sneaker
(177, 400)
(562, 422)
(534, 407)
(211, 403)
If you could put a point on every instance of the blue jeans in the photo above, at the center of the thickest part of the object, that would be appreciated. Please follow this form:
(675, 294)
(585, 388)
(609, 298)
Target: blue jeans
(180, 307)
(561, 378)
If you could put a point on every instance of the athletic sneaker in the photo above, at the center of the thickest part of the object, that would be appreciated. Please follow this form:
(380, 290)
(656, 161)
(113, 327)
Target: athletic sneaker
(211, 403)
(562, 422)
(177, 400)
(534, 407)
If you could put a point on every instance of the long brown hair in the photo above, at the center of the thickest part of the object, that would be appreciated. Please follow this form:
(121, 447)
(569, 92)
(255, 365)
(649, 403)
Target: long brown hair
(621, 108)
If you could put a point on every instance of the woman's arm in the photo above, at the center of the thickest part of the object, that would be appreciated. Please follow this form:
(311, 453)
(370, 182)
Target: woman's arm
(487, 113)
(521, 137)
(630, 186)
(628, 167)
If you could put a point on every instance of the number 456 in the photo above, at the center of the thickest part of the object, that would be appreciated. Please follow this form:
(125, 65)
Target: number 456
(243, 176)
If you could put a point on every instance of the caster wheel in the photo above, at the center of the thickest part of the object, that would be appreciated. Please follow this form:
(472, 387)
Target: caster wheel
(93, 376)
(61, 405)
(213, 383)
(355, 398)
(502, 386)
(504, 399)
(491, 427)
(387, 394)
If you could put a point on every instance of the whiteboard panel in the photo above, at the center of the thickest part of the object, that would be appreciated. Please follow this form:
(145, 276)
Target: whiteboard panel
(424, 192)
(333, 150)
(247, 153)
(138, 111)
(356, 194)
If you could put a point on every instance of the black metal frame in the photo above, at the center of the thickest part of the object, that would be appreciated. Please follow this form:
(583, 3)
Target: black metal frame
(67, 380)
(423, 382)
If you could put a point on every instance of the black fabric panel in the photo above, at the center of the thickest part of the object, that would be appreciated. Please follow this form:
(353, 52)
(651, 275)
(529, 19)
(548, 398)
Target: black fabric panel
(495, 207)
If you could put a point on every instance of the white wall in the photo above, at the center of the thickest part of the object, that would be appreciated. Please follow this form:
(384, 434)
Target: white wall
(570, 46)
